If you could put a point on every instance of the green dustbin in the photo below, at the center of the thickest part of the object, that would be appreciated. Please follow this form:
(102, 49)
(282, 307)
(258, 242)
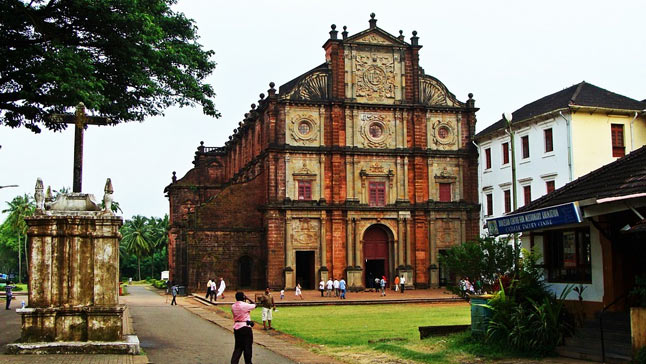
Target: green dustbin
(480, 315)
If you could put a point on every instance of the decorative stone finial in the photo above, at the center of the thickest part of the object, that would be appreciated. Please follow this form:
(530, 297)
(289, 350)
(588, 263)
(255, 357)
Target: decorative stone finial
(372, 21)
(174, 178)
(470, 95)
(414, 39)
(345, 32)
(48, 194)
(272, 91)
(262, 96)
(401, 35)
(39, 196)
(253, 106)
(107, 197)
(471, 103)
(333, 32)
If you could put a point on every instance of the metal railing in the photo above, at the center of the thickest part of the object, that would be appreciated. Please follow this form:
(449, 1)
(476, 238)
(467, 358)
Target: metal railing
(603, 345)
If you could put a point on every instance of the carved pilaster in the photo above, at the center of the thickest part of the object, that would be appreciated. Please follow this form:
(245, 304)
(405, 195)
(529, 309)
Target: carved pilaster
(348, 243)
(406, 179)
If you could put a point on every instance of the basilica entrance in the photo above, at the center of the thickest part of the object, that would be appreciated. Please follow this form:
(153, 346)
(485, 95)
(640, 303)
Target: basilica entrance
(375, 253)
(305, 269)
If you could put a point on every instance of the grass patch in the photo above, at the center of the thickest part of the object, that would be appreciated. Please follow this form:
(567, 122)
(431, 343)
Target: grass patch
(359, 333)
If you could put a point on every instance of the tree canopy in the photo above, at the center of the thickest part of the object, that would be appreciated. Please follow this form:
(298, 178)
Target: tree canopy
(126, 59)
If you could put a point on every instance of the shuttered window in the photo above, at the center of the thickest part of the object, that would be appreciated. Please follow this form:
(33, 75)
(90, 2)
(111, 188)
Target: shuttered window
(507, 201)
(488, 158)
(549, 144)
(489, 204)
(377, 193)
(525, 142)
(527, 194)
(618, 147)
(549, 186)
(445, 192)
(505, 153)
(304, 190)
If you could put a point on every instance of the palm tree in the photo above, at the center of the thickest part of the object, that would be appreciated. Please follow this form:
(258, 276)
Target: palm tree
(158, 237)
(19, 208)
(137, 239)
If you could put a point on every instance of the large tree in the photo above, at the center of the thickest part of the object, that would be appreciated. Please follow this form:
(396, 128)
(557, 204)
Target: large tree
(127, 59)
(137, 239)
(15, 227)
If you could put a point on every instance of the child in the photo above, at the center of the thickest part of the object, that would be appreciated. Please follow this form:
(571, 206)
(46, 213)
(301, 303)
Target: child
(282, 294)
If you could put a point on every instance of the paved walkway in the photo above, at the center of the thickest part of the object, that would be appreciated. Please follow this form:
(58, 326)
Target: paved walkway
(172, 334)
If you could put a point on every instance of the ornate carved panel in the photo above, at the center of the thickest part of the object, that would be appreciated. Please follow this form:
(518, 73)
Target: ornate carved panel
(376, 130)
(375, 76)
(303, 127)
(311, 87)
(443, 132)
(305, 233)
(374, 39)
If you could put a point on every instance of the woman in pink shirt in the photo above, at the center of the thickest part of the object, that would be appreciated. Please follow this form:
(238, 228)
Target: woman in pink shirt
(242, 328)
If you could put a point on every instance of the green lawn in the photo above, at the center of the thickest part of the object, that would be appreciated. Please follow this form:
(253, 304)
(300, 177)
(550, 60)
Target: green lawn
(360, 332)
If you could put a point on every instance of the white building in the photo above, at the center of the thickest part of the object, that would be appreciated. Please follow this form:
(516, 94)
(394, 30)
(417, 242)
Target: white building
(558, 138)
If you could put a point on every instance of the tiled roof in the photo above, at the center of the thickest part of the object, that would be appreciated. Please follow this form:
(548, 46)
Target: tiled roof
(581, 94)
(625, 176)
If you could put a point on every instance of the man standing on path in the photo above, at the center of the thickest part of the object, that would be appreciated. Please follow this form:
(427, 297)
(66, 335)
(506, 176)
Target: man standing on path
(268, 306)
(330, 285)
(382, 284)
(336, 287)
(402, 283)
(214, 288)
(342, 288)
(242, 331)
(321, 287)
(9, 292)
(173, 291)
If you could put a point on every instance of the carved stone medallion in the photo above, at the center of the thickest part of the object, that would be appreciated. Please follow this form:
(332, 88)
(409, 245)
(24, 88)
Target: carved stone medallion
(443, 133)
(376, 131)
(375, 76)
(304, 128)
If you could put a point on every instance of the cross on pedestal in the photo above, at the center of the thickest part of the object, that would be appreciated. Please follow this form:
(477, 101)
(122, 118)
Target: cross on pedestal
(80, 120)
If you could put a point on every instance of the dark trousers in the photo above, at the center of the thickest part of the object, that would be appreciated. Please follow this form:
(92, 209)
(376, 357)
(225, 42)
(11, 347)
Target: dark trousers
(244, 343)
(8, 301)
(173, 301)
(402, 287)
(208, 293)
(321, 292)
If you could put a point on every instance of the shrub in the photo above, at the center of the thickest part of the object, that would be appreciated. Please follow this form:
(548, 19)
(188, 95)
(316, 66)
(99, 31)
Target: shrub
(640, 357)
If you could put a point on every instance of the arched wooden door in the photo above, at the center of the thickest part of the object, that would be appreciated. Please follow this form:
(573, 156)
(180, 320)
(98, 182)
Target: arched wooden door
(375, 254)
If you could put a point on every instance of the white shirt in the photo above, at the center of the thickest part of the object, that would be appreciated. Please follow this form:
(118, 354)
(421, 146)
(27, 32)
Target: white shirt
(210, 284)
(402, 280)
(329, 284)
(336, 283)
(213, 286)
(321, 285)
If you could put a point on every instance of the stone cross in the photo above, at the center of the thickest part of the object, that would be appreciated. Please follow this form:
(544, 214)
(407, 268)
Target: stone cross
(80, 120)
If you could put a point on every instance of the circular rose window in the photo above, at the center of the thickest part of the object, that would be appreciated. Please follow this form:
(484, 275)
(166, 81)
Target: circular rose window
(443, 132)
(304, 128)
(376, 130)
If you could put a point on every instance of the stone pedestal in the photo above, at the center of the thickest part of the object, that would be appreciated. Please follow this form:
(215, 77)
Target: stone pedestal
(407, 272)
(73, 274)
(354, 278)
(324, 273)
(289, 278)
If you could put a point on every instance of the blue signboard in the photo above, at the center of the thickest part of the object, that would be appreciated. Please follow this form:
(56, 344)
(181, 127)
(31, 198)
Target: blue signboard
(568, 213)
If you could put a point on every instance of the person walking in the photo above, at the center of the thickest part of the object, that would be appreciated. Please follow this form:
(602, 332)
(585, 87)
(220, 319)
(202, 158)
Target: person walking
(173, 291)
(208, 288)
(221, 289)
(330, 285)
(402, 283)
(382, 284)
(242, 325)
(298, 291)
(214, 288)
(321, 287)
(336, 288)
(8, 289)
(396, 283)
(268, 306)
(377, 283)
(342, 287)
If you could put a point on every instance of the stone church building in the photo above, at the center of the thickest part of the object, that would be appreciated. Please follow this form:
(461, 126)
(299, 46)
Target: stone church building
(362, 166)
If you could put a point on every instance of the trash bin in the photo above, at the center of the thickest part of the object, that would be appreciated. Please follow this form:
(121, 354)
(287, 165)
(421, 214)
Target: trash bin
(480, 315)
(181, 290)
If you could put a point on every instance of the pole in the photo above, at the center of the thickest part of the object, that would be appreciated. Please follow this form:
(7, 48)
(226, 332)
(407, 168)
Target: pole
(508, 118)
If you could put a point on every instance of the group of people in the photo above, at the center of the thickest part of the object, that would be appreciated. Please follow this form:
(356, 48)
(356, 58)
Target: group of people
(380, 284)
(213, 291)
(337, 286)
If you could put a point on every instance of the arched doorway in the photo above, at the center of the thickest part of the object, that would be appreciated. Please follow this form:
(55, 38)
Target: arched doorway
(244, 272)
(375, 253)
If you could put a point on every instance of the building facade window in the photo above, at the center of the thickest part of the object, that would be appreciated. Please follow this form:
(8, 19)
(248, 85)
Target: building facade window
(524, 140)
(488, 158)
(568, 256)
(549, 186)
(445, 192)
(489, 204)
(507, 194)
(617, 134)
(505, 153)
(549, 142)
(377, 193)
(527, 194)
(305, 190)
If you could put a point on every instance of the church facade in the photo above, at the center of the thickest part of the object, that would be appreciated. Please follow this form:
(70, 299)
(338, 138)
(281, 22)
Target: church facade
(361, 167)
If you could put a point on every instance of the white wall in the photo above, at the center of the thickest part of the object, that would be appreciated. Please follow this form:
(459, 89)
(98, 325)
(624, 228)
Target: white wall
(534, 171)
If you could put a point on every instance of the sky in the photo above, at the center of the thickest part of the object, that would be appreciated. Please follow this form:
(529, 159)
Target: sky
(507, 53)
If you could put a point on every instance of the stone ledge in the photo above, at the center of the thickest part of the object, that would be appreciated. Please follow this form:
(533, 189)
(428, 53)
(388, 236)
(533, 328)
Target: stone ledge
(130, 346)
